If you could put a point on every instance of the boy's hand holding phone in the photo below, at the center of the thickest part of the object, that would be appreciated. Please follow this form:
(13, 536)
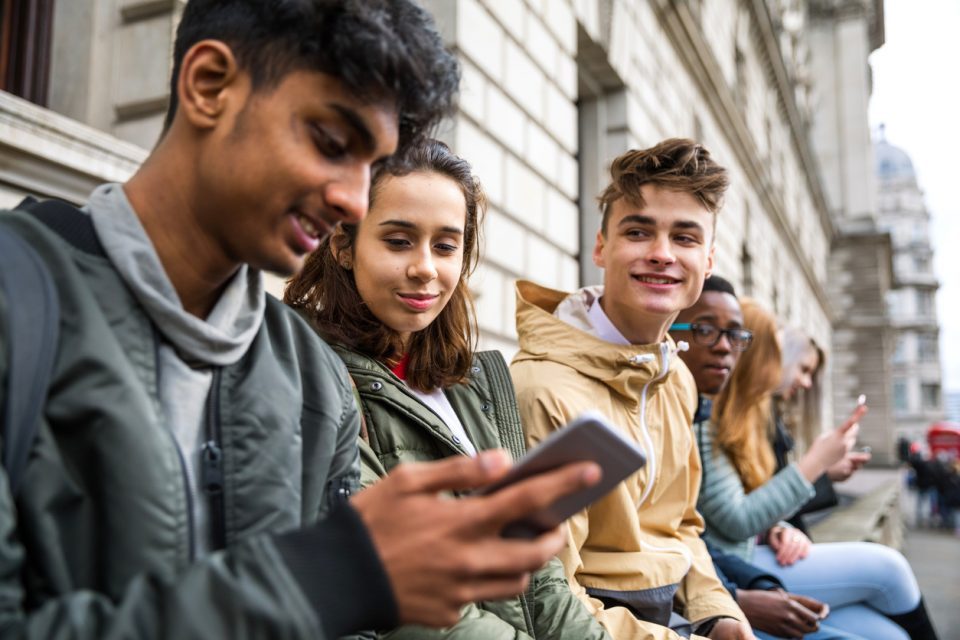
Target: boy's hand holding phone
(589, 437)
(441, 553)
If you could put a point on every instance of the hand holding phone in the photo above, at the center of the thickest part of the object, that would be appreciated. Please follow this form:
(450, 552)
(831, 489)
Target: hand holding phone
(590, 437)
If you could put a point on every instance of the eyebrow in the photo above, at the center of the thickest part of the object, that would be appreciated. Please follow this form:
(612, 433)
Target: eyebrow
(636, 218)
(688, 224)
(357, 123)
(405, 224)
(709, 316)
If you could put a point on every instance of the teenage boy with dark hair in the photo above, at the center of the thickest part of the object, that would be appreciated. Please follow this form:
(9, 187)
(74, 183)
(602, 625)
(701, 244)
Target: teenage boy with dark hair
(192, 465)
(714, 331)
(635, 556)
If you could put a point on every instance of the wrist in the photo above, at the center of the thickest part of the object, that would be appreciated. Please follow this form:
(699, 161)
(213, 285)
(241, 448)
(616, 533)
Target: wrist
(811, 467)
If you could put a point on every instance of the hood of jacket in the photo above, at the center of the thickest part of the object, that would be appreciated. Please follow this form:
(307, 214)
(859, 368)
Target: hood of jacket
(220, 339)
(554, 325)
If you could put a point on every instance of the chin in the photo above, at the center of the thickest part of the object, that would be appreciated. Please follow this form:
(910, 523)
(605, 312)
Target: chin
(284, 267)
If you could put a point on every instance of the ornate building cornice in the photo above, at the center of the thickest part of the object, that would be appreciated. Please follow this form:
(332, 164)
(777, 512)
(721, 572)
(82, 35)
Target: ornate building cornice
(840, 9)
(688, 39)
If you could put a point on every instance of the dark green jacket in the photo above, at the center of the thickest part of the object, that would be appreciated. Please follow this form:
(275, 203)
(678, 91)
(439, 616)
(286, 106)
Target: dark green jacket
(400, 428)
(98, 542)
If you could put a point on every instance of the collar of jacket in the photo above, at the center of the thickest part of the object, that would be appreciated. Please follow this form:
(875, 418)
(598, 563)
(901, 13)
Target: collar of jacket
(543, 336)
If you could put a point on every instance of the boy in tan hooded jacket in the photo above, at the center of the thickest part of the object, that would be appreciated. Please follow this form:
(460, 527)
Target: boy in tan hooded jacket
(635, 556)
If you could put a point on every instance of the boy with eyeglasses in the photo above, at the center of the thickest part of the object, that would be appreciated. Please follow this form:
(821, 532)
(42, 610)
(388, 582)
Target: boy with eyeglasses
(635, 557)
(714, 331)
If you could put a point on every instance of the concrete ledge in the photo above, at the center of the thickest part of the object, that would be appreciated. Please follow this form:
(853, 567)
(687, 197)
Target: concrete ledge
(872, 517)
(47, 154)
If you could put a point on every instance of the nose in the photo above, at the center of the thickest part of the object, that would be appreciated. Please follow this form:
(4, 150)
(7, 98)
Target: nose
(723, 344)
(349, 194)
(661, 251)
(421, 266)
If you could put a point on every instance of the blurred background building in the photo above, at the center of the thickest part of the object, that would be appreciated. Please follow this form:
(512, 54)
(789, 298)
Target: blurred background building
(552, 90)
(916, 390)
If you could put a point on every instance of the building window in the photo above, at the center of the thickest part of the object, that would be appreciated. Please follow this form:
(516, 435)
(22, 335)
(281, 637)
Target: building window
(930, 396)
(900, 402)
(746, 269)
(740, 79)
(25, 35)
(924, 303)
(900, 350)
(921, 263)
(927, 347)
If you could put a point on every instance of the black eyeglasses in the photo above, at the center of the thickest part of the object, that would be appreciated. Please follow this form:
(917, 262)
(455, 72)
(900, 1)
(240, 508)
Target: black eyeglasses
(707, 335)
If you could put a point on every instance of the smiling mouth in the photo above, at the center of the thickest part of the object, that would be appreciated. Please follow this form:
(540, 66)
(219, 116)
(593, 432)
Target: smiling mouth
(655, 279)
(419, 296)
(311, 226)
(418, 301)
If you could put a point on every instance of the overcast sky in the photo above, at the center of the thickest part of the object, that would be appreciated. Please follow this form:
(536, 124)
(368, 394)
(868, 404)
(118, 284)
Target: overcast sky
(916, 94)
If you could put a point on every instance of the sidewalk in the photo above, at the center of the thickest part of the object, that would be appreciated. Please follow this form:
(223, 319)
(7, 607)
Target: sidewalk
(933, 554)
(935, 558)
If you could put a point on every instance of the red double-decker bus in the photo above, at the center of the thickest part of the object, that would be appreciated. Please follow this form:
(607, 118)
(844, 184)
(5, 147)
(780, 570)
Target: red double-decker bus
(944, 437)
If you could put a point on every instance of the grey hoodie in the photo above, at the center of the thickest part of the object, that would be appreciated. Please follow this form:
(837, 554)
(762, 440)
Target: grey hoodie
(190, 348)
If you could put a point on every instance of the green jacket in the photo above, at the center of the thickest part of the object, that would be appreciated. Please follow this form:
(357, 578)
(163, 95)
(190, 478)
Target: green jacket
(400, 428)
(98, 541)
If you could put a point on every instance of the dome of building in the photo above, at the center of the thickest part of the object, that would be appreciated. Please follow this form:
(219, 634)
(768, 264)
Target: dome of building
(892, 163)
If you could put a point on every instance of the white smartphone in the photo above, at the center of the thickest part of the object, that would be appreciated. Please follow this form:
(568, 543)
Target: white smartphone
(589, 437)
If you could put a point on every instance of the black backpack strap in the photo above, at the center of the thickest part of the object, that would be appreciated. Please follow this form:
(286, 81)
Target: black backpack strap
(67, 221)
(33, 324)
(504, 398)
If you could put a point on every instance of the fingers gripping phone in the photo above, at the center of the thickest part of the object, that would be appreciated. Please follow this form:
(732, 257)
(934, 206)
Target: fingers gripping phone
(590, 437)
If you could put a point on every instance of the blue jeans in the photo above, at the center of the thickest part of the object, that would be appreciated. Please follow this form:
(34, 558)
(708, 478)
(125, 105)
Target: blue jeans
(825, 632)
(860, 581)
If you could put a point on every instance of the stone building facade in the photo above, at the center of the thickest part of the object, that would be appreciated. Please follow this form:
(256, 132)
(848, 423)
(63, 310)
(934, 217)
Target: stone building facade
(552, 90)
(841, 34)
(916, 389)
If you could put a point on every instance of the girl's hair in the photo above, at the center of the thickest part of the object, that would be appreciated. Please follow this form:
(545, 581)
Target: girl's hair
(802, 413)
(742, 410)
(441, 354)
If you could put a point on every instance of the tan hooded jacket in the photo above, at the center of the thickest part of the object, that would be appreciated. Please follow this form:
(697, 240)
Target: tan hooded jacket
(640, 545)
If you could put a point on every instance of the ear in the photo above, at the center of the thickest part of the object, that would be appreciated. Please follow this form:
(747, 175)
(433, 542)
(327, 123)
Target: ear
(710, 262)
(344, 255)
(598, 250)
(209, 76)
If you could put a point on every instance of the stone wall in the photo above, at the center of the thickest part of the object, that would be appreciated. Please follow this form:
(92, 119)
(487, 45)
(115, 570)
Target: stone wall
(554, 89)
(862, 337)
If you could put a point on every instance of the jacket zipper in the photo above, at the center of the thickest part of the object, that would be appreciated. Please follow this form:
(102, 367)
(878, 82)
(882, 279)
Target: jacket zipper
(211, 466)
(525, 599)
(648, 443)
(647, 440)
(187, 489)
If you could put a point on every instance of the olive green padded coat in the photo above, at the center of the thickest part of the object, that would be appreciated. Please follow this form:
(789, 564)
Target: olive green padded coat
(400, 428)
